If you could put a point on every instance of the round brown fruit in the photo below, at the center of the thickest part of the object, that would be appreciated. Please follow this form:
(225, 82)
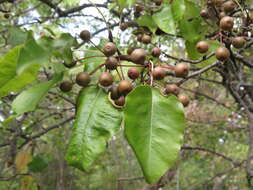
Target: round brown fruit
(138, 56)
(222, 14)
(184, 99)
(138, 8)
(202, 46)
(130, 50)
(85, 35)
(7, 15)
(66, 86)
(181, 70)
(114, 92)
(227, 23)
(204, 13)
(105, 79)
(109, 49)
(156, 52)
(123, 26)
(217, 3)
(172, 89)
(124, 87)
(120, 101)
(158, 73)
(238, 42)
(139, 37)
(146, 39)
(83, 79)
(111, 63)
(133, 73)
(229, 6)
(222, 54)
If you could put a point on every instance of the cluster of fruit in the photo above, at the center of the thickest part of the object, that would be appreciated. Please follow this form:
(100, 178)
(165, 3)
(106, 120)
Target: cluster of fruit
(119, 89)
(151, 72)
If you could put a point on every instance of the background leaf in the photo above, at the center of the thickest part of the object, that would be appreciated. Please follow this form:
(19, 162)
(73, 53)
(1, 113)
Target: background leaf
(30, 98)
(154, 129)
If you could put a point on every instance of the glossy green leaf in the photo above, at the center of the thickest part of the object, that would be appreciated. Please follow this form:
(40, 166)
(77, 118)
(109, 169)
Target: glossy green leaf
(38, 164)
(147, 20)
(31, 54)
(30, 98)
(10, 80)
(154, 127)
(165, 20)
(96, 121)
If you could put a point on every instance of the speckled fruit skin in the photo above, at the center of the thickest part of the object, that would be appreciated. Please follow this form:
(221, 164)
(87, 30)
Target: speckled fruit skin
(138, 56)
(83, 79)
(181, 70)
(105, 79)
(111, 63)
(227, 23)
(109, 49)
(222, 54)
(133, 73)
(66, 86)
(172, 89)
(125, 87)
(184, 99)
(158, 73)
(202, 46)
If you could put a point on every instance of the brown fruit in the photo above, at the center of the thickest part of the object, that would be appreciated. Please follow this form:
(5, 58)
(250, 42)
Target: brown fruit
(238, 42)
(222, 53)
(85, 35)
(139, 37)
(83, 79)
(181, 70)
(158, 2)
(227, 23)
(146, 39)
(184, 99)
(138, 56)
(66, 86)
(158, 73)
(172, 89)
(124, 87)
(130, 50)
(123, 26)
(114, 92)
(229, 6)
(156, 52)
(7, 15)
(217, 3)
(133, 73)
(202, 46)
(120, 101)
(105, 79)
(138, 8)
(111, 63)
(222, 14)
(204, 13)
(109, 49)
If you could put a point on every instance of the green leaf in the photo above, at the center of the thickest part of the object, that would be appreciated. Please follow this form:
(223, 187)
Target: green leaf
(96, 121)
(165, 20)
(10, 81)
(16, 36)
(38, 164)
(30, 98)
(178, 9)
(154, 127)
(147, 20)
(124, 3)
(190, 26)
(31, 54)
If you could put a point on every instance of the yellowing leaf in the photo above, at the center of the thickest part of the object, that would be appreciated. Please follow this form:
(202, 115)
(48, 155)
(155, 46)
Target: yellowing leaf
(21, 161)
